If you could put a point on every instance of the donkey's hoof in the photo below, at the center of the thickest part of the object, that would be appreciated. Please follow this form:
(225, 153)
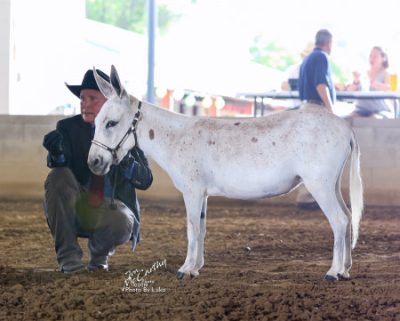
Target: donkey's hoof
(180, 275)
(330, 278)
(192, 276)
(342, 277)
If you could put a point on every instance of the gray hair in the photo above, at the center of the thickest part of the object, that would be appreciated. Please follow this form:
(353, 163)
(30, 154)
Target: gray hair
(322, 37)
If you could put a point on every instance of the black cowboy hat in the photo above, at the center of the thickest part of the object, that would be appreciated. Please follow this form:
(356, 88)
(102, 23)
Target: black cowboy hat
(88, 82)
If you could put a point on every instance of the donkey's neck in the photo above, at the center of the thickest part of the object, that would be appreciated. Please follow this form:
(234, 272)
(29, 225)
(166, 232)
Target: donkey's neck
(159, 131)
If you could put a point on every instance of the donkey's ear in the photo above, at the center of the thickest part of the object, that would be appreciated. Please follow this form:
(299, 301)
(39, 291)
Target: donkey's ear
(105, 88)
(116, 83)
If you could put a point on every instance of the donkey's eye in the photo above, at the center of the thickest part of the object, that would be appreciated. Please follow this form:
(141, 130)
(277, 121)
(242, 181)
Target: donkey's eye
(111, 123)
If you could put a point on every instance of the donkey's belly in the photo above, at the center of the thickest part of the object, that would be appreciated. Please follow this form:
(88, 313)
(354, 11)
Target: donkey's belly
(248, 188)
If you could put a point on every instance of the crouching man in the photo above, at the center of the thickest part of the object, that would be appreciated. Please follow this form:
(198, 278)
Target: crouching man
(77, 202)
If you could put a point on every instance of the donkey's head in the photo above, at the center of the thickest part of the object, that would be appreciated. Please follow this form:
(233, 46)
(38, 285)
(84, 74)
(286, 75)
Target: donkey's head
(112, 139)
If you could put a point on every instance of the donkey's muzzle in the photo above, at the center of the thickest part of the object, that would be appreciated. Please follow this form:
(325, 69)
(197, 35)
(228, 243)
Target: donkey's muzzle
(98, 165)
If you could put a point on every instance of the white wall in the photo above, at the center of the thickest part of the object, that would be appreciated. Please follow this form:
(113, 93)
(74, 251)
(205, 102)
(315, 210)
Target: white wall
(53, 43)
(5, 51)
(47, 39)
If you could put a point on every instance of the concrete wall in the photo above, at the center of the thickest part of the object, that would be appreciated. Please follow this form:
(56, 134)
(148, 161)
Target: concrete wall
(23, 160)
(23, 166)
(379, 140)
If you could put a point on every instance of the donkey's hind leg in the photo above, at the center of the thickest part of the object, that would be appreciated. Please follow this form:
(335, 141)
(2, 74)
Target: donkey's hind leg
(347, 248)
(194, 203)
(325, 195)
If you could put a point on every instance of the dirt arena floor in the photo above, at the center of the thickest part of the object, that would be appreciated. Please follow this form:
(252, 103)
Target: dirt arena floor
(262, 262)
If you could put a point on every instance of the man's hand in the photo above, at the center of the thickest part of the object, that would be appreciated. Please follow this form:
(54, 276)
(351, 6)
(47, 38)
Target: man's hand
(53, 143)
(127, 161)
(323, 92)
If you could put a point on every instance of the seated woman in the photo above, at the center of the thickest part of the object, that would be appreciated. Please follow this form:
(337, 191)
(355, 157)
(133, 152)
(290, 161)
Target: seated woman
(378, 79)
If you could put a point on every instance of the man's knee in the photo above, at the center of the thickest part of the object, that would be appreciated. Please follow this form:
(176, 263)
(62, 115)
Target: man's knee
(62, 191)
(114, 230)
(61, 182)
(60, 177)
(119, 224)
(124, 226)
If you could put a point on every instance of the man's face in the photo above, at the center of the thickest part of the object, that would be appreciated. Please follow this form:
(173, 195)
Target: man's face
(91, 102)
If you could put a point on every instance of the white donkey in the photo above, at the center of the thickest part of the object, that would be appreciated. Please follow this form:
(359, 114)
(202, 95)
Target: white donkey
(248, 159)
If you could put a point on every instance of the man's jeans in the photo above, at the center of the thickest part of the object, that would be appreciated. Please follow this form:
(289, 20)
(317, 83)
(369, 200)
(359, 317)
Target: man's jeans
(69, 216)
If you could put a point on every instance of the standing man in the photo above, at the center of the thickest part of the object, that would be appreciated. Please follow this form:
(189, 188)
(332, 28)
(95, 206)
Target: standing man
(315, 82)
(77, 202)
(316, 89)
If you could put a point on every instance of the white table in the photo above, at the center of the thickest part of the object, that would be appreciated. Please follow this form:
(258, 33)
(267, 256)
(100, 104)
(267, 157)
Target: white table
(340, 95)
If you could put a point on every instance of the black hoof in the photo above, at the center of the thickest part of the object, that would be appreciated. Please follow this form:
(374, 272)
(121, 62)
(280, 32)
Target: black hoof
(330, 278)
(180, 275)
(192, 276)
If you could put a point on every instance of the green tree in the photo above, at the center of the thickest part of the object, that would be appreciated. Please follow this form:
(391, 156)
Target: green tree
(128, 14)
(275, 56)
(340, 73)
(272, 55)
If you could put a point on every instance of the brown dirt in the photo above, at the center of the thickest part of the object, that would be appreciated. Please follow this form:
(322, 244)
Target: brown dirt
(280, 278)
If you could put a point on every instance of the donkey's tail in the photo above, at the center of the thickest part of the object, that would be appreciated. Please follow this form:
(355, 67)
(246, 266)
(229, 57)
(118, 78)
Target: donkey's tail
(356, 189)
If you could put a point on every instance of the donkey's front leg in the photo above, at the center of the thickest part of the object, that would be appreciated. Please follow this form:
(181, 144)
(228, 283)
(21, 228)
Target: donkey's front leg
(200, 240)
(193, 204)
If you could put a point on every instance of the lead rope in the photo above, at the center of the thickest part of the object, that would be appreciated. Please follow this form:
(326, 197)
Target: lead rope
(113, 206)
